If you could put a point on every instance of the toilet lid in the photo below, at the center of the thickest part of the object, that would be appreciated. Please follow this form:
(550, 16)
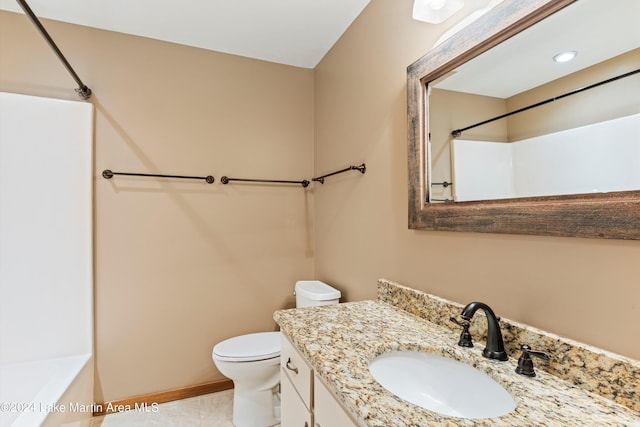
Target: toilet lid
(250, 347)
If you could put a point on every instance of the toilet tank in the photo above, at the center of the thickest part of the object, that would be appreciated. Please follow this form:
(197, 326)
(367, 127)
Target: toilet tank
(311, 293)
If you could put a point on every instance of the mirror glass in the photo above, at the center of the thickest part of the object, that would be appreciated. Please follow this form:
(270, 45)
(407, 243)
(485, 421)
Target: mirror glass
(578, 126)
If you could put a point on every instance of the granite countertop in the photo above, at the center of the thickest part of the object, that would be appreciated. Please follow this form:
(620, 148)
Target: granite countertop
(339, 341)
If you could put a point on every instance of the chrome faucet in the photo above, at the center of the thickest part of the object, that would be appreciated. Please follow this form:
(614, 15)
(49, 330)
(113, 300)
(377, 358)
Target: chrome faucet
(495, 345)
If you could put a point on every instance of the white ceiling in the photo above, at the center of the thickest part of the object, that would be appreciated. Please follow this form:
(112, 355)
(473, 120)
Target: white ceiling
(292, 32)
(597, 29)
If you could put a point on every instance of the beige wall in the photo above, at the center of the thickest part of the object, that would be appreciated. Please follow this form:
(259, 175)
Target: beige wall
(606, 102)
(180, 265)
(584, 289)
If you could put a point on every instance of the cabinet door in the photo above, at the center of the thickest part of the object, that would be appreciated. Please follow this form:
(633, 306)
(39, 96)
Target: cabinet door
(293, 411)
(327, 412)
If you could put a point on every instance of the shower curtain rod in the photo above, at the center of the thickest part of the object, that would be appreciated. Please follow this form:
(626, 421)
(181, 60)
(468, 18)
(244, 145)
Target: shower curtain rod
(108, 174)
(83, 91)
(362, 168)
(226, 180)
(456, 133)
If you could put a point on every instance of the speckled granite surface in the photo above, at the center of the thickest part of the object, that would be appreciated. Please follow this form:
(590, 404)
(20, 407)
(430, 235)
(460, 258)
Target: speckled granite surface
(340, 340)
(593, 369)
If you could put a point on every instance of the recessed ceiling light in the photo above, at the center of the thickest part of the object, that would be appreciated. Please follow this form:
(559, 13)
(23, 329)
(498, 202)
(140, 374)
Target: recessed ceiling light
(565, 56)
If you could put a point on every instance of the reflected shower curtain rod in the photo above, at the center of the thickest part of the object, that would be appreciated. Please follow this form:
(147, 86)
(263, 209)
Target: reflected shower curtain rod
(445, 184)
(456, 133)
(83, 91)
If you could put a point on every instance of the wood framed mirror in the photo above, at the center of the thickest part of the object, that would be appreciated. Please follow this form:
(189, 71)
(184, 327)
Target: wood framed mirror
(607, 215)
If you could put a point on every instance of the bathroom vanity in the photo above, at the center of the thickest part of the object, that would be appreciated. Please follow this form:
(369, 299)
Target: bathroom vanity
(305, 400)
(331, 348)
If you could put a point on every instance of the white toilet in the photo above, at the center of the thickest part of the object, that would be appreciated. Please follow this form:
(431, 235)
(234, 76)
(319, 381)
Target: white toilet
(252, 361)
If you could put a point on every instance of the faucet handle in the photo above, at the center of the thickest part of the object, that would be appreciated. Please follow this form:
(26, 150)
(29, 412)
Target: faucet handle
(465, 336)
(525, 364)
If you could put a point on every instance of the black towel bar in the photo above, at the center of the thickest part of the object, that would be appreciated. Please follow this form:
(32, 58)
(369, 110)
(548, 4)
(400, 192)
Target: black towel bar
(108, 174)
(362, 168)
(226, 180)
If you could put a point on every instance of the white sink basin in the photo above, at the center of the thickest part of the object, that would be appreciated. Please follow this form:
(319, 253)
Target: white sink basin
(441, 385)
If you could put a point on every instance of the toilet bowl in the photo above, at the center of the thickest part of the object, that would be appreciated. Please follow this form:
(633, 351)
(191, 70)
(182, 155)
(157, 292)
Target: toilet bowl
(252, 362)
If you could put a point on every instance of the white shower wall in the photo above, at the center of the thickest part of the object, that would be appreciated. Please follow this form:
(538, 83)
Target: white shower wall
(482, 170)
(46, 261)
(602, 157)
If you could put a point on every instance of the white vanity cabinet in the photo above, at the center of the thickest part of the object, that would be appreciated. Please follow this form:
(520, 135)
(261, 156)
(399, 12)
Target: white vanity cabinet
(296, 382)
(292, 410)
(305, 401)
(326, 410)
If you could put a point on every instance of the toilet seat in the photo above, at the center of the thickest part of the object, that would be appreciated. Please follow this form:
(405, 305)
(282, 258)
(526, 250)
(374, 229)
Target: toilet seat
(248, 348)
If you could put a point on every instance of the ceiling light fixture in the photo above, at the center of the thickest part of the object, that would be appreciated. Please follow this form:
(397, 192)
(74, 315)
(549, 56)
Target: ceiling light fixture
(565, 56)
(435, 11)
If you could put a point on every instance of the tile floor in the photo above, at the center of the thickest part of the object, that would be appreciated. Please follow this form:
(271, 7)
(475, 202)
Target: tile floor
(210, 410)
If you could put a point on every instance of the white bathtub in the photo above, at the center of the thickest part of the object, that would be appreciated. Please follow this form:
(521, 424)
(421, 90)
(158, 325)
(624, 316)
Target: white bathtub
(51, 392)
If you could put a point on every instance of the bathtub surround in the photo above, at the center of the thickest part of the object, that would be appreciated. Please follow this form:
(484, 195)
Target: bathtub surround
(340, 341)
(596, 158)
(46, 260)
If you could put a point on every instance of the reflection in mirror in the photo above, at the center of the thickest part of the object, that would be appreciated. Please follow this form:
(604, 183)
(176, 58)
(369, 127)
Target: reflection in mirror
(605, 215)
(546, 128)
